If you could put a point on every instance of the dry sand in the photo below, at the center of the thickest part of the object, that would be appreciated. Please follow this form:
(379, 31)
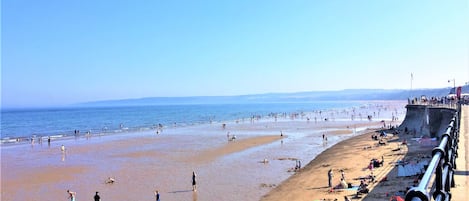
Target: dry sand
(353, 156)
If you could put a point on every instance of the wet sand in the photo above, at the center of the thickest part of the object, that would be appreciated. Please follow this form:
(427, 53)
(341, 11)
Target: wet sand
(143, 162)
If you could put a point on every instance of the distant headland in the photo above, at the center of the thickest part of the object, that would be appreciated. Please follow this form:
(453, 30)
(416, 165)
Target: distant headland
(340, 95)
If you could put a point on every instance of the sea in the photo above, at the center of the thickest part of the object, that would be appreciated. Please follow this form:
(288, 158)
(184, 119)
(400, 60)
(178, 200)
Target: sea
(19, 125)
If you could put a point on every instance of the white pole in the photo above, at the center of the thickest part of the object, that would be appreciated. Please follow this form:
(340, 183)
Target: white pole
(411, 79)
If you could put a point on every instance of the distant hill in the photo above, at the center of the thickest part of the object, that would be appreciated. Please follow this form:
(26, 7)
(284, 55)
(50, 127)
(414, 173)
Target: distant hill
(348, 94)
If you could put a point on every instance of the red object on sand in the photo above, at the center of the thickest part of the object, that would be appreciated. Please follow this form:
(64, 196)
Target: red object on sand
(396, 198)
(384, 179)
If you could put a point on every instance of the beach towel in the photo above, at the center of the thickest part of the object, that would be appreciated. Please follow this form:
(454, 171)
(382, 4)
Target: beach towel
(354, 188)
(411, 169)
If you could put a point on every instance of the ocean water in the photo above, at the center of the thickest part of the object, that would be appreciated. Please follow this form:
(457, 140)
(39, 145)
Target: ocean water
(62, 122)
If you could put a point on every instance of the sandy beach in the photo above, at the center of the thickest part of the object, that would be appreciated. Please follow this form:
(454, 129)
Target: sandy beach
(226, 170)
(353, 156)
(401, 151)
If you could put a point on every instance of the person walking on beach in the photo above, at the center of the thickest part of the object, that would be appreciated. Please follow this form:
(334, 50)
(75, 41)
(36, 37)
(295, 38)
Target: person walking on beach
(157, 195)
(194, 184)
(298, 165)
(71, 195)
(62, 148)
(330, 175)
(97, 197)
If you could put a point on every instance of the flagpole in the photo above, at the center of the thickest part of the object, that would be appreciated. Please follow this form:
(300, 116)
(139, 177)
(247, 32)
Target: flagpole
(411, 80)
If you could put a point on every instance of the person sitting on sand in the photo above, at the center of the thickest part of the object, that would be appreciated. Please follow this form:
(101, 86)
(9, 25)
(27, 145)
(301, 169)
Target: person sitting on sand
(363, 188)
(370, 166)
(110, 180)
(372, 177)
(362, 183)
(343, 184)
(377, 163)
(381, 142)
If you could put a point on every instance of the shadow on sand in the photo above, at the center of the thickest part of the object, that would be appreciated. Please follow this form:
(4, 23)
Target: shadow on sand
(316, 188)
(181, 191)
(389, 185)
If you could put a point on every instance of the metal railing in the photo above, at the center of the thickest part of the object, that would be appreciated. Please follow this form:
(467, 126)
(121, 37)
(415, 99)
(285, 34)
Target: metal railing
(440, 170)
(452, 104)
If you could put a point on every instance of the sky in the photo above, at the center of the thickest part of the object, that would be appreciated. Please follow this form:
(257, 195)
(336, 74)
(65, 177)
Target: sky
(56, 53)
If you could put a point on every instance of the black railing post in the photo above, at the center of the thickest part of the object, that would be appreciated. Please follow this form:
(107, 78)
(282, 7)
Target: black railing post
(441, 167)
(439, 172)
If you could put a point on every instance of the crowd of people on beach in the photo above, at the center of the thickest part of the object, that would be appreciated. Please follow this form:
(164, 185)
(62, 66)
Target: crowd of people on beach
(365, 181)
(231, 137)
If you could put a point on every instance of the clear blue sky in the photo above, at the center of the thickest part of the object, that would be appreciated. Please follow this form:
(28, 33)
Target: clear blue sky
(61, 52)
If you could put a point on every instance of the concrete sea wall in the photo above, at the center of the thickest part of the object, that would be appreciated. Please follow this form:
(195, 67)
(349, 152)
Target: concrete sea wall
(426, 120)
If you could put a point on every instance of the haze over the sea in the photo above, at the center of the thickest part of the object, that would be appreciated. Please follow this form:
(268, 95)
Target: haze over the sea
(57, 53)
(299, 97)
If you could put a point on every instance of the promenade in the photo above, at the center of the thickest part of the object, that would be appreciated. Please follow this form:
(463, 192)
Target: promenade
(461, 175)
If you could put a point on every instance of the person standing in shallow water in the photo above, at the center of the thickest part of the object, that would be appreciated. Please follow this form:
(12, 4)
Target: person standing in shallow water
(97, 197)
(157, 195)
(194, 184)
(71, 195)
